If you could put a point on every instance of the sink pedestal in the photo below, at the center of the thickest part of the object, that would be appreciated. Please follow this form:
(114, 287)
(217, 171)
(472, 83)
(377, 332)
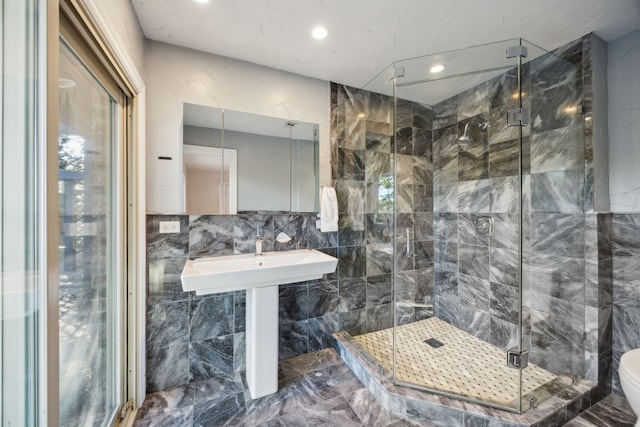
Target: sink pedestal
(262, 341)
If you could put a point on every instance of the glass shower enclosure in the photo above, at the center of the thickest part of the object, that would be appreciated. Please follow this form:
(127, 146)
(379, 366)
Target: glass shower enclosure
(480, 177)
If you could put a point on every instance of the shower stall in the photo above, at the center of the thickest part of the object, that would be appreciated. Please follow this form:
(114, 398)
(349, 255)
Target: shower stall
(462, 190)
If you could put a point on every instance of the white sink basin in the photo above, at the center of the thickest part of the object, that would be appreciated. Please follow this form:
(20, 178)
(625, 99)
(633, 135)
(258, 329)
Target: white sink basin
(240, 272)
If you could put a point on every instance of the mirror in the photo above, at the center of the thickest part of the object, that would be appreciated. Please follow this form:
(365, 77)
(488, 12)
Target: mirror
(241, 162)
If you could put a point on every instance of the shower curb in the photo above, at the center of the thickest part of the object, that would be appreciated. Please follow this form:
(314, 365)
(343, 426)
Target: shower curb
(422, 407)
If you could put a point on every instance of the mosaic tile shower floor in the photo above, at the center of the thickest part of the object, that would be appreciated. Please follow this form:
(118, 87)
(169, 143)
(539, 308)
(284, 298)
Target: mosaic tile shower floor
(464, 365)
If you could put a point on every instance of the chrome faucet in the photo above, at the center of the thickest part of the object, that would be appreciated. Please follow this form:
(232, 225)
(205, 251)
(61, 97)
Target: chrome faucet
(258, 241)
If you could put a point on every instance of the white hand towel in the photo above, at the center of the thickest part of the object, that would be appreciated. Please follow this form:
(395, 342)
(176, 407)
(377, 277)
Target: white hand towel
(328, 210)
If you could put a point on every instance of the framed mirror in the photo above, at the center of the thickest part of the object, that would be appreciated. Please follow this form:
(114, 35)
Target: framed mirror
(242, 162)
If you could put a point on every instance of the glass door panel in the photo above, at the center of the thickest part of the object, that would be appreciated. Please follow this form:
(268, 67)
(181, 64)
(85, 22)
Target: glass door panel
(90, 246)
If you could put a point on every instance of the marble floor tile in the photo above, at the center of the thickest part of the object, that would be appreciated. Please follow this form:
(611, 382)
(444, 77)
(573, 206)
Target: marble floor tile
(315, 389)
(612, 411)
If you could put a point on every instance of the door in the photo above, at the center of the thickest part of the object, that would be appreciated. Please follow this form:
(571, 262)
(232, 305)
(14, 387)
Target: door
(92, 279)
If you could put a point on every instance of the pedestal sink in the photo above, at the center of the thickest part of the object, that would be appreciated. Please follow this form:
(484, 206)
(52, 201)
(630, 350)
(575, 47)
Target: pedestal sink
(260, 277)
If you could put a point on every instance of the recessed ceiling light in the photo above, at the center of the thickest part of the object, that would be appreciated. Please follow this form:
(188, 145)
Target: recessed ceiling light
(320, 32)
(201, 1)
(437, 68)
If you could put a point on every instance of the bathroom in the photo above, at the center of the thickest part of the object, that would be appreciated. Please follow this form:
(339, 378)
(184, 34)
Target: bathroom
(452, 164)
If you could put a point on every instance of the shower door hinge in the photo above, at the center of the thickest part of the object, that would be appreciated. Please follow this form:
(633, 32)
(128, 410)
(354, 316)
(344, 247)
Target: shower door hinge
(398, 72)
(518, 117)
(517, 359)
(515, 51)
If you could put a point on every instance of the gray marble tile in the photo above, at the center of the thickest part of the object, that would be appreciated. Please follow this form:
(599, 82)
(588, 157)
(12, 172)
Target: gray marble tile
(354, 322)
(163, 280)
(445, 198)
(167, 245)
(423, 142)
(351, 197)
(245, 232)
(211, 235)
(239, 352)
(379, 197)
(351, 230)
(473, 102)
(474, 196)
(167, 324)
(219, 412)
(445, 113)
(369, 411)
(377, 165)
(557, 150)
(317, 239)
(379, 228)
(293, 339)
(422, 412)
(378, 142)
(218, 387)
(424, 254)
(352, 262)
(506, 233)
(293, 302)
(351, 164)
(445, 255)
(503, 158)
(379, 317)
(503, 334)
(403, 141)
(504, 302)
(423, 198)
(405, 286)
(555, 108)
(474, 261)
(422, 171)
(379, 259)
(174, 404)
(239, 311)
(423, 226)
(167, 367)
(556, 235)
(378, 290)
(323, 298)
(550, 71)
(211, 317)
(445, 226)
(467, 230)
(295, 226)
(321, 330)
(557, 192)
(211, 356)
(474, 292)
(504, 266)
(504, 195)
(352, 294)
(174, 417)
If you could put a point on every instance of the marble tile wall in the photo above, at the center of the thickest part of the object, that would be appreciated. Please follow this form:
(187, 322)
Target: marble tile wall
(192, 338)
(626, 288)
(363, 150)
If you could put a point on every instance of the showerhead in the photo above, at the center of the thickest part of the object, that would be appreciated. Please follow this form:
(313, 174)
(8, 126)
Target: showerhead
(465, 140)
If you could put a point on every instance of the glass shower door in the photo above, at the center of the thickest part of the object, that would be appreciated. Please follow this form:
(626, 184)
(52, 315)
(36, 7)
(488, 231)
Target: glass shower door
(460, 156)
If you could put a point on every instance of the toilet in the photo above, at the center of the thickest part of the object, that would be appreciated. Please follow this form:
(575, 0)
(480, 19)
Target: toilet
(630, 379)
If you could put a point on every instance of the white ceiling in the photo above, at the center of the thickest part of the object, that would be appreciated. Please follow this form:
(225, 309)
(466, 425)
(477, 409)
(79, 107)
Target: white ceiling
(366, 36)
